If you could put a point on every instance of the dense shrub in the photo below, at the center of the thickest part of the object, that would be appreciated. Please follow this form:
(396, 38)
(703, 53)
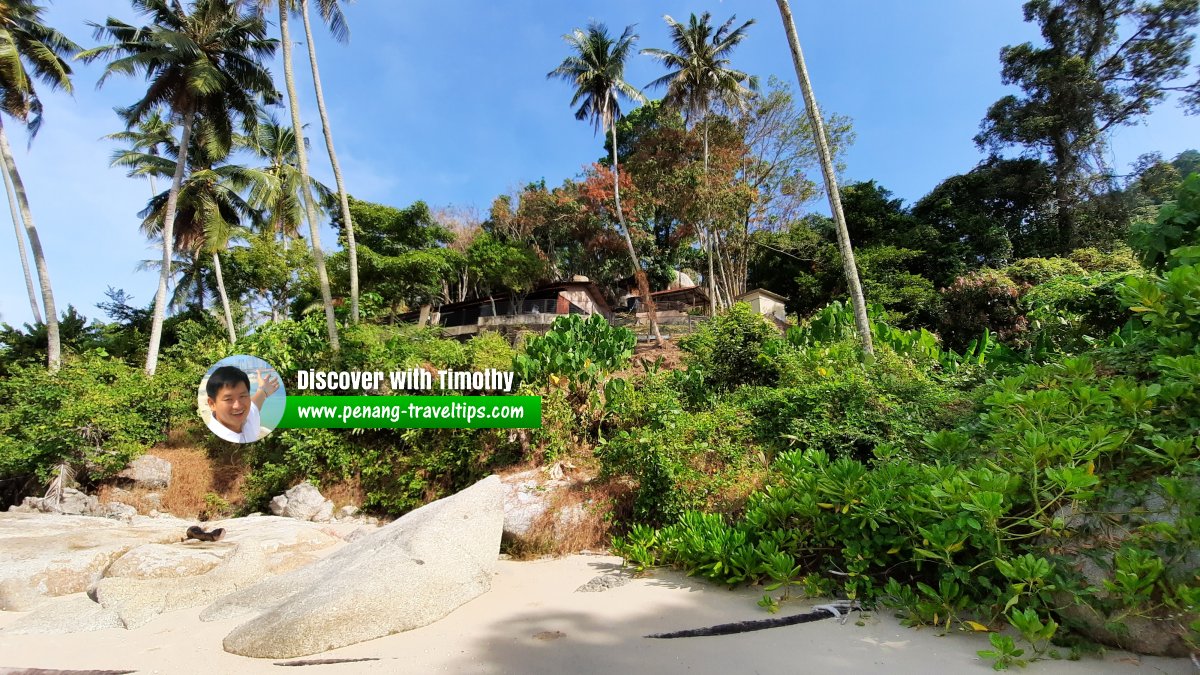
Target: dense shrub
(578, 351)
(827, 399)
(95, 415)
(734, 348)
(702, 460)
(983, 300)
(1120, 259)
(1041, 270)
(1066, 312)
(1176, 228)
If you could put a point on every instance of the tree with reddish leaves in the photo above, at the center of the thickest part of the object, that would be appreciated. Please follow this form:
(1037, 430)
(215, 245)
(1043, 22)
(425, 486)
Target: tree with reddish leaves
(596, 68)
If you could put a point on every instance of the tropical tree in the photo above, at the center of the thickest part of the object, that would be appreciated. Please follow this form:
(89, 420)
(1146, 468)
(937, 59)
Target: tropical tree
(310, 207)
(831, 188)
(331, 13)
(597, 70)
(210, 209)
(24, 39)
(16, 221)
(1104, 65)
(152, 136)
(203, 64)
(281, 197)
(699, 79)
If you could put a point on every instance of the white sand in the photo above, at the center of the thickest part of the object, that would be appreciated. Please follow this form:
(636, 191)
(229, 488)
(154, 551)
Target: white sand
(533, 621)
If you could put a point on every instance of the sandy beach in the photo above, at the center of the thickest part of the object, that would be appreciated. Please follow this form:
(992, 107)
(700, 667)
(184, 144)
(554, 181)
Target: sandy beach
(534, 621)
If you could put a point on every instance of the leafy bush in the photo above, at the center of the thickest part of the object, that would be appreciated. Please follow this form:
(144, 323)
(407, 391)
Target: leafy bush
(734, 348)
(1120, 259)
(490, 350)
(581, 352)
(703, 460)
(828, 400)
(1177, 227)
(1041, 270)
(983, 300)
(96, 414)
(1066, 311)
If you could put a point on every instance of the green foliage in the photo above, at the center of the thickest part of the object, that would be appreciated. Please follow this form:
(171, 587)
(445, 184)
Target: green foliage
(1177, 229)
(734, 348)
(682, 461)
(577, 351)
(983, 300)
(888, 280)
(96, 414)
(1040, 270)
(1067, 312)
(490, 350)
(1120, 259)
(400, 253)
(827, 399)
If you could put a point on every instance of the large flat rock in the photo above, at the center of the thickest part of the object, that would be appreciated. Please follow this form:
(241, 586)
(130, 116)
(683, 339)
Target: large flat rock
(43, 556)
(405, 575)
(144, 566)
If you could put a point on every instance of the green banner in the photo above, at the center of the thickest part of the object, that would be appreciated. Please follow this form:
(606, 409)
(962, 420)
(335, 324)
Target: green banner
(412, 412)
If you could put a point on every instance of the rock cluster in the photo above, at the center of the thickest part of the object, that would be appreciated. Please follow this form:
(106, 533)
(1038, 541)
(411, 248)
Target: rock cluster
(303, 502)
(75, 503)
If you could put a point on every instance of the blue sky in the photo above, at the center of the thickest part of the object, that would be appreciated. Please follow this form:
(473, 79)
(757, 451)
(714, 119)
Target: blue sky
(448, 102)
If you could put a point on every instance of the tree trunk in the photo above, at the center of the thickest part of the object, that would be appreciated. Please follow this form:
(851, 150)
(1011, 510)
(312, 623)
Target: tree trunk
(16, 220)
(224, 298)
(53, 342)
(168, 244)
(343, 199)
(306, 188)
(731, 291)
(638, 274)
(708, 243)
(831, 188)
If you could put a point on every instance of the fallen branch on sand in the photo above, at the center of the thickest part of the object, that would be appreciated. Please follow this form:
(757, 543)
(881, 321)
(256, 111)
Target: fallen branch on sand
(840, 610)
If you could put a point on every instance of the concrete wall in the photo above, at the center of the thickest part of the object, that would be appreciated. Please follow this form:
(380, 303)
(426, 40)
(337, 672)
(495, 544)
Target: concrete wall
(767, 306)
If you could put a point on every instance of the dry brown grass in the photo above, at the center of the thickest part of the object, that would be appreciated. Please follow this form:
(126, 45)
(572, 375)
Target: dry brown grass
(194, 476)
(600, 504)
(349, 492)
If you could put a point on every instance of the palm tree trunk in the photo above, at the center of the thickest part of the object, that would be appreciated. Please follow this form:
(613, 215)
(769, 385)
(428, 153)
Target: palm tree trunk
(53, 342)
(638, 273)
(302, 159)
(168, 239)
(343, 198)
(831, 188)
(224, 298)
(712, 279)
(16, 218)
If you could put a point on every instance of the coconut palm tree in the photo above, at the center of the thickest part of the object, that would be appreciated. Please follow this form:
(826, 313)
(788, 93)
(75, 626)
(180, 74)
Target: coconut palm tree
(331, 14)
(596, 68)
(16, 221)
(24, 39)
(153, 136)
(831, 188)
(203, 64)
(699, 79)
(281, 197)
(310, 207)
(194, 281)
(210, 209)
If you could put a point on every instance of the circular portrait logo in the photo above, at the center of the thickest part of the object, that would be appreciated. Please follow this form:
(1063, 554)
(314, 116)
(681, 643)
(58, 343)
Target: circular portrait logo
(241, 398)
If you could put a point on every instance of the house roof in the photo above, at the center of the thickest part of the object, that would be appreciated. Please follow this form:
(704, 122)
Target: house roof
(764, 292)
(693, 293)
(548, 290)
